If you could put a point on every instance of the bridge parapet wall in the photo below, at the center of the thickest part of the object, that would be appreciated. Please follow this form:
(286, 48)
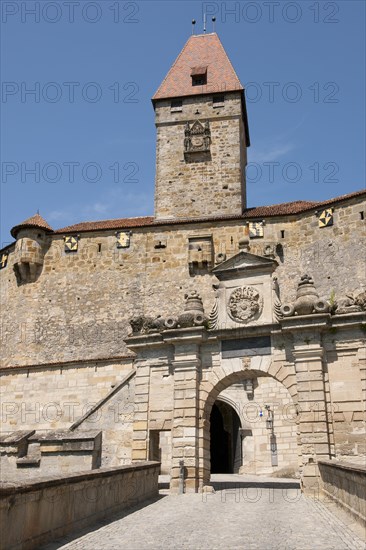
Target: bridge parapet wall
(345, 484)
(34, 513)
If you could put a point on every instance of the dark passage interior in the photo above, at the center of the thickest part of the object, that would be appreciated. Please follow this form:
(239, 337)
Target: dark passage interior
(225, 439)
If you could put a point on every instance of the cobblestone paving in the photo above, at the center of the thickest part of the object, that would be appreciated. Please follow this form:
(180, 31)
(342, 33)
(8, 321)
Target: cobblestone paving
(241, 518)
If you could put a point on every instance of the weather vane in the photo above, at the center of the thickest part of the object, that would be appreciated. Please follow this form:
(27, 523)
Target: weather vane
(204, 24)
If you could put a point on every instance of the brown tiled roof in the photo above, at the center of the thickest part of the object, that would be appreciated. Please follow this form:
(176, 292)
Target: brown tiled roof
(279, 209)
(204, 50)
(120, 223)
(34, 221)
(283, 209)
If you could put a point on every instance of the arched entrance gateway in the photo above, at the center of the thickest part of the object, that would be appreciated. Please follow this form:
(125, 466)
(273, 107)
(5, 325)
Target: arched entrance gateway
(249, 424)
(245, 390)
(253, 429)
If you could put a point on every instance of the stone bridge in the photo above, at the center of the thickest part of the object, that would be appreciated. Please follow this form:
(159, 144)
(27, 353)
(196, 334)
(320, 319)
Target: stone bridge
(242, 514)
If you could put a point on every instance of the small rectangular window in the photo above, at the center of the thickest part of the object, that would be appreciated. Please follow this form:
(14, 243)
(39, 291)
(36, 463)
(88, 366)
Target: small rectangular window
(218, 101)
(199, 76)
(176, 106)
(199, 80)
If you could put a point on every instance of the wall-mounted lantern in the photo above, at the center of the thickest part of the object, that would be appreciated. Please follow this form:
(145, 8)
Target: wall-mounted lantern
(269, 420)
(249, 388)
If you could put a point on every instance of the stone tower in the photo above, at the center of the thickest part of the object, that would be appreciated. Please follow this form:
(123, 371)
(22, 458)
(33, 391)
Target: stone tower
(202, 135)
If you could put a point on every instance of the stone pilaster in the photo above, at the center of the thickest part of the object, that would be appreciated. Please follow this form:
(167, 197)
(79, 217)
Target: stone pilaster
(140, 449)
(313, 425)
(362, 363)
(185, 431)
(147, 348)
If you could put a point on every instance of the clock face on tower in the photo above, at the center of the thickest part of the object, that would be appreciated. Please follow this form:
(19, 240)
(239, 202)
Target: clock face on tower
(255, 230)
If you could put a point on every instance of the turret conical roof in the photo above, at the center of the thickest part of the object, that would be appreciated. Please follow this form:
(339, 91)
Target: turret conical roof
(34, 221)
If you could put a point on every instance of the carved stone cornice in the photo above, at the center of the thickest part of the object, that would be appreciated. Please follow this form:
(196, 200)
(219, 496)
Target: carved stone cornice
(307, 353)
(301, 323)
(183, 336)
(136, 343)
(186, 364)
(349, 320)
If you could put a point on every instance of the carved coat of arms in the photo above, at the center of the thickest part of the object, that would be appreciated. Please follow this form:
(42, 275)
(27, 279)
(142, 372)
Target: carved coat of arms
(245, 304)
(197, 137)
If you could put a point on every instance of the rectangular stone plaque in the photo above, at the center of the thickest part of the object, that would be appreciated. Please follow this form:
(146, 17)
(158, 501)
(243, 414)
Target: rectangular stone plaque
(243, 347)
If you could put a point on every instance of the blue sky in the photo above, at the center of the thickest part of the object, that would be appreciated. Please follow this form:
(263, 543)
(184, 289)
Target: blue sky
(88, 131)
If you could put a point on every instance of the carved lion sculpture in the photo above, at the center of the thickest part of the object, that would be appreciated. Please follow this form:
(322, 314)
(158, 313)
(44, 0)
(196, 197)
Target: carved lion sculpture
(146, 325)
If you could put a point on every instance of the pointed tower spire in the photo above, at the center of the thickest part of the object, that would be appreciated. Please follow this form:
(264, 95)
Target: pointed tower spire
(200, 50)
(202, 135)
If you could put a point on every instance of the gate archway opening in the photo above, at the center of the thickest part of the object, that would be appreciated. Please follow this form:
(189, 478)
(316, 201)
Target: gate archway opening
(225, 447)
(236, 437)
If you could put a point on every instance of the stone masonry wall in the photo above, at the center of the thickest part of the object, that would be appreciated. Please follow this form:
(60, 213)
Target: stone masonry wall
(78, 310)
(193, 188)
(346, 371)
(79, 307)
(53, 507)
(53, 398)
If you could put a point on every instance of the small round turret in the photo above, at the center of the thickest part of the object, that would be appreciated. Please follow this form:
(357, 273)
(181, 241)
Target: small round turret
(31, 244)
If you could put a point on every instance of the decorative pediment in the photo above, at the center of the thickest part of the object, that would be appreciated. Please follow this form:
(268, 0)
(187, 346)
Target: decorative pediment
(242, 263)
(244, 295)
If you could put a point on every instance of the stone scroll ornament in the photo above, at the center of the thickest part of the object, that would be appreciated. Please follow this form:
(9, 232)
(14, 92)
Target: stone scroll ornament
(307, 300)
(277, 304)
(245, 304)
(192, 316)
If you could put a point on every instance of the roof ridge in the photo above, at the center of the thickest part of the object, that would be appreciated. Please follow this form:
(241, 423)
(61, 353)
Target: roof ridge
(302, 201)
(115, 219)
(345, 196)
(279, 209)
(228, 58)
(174, 63)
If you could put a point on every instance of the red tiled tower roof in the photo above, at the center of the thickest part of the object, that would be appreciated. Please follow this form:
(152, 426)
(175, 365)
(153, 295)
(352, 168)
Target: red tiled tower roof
(200, 51)
(34, 221)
